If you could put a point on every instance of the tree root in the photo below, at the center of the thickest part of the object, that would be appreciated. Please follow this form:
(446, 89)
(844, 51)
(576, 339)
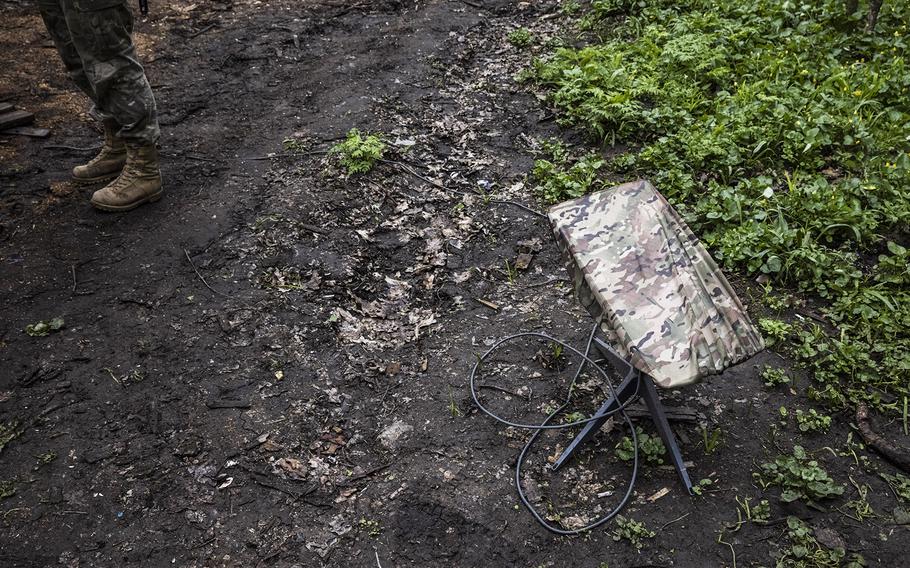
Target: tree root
(879, 444)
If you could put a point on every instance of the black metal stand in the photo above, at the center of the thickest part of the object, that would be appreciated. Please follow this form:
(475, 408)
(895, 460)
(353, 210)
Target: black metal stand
(635, 384)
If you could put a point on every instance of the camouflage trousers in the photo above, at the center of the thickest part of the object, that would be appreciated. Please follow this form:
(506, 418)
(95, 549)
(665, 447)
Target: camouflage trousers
(94, 40)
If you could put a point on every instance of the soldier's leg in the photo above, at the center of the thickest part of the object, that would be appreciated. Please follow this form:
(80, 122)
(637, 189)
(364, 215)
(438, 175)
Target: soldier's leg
(55, 21)
(108, 163)
(101, 34)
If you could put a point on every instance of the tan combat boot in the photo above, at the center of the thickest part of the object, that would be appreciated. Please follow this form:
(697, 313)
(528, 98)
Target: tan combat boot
(108, 163)
(140, 181)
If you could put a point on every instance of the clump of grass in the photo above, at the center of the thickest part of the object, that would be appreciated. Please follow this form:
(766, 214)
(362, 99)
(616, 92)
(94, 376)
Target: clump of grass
(358, 153)
(780, 133)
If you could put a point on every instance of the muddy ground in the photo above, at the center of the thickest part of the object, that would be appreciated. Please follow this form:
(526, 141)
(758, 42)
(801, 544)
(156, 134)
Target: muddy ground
(269, 366)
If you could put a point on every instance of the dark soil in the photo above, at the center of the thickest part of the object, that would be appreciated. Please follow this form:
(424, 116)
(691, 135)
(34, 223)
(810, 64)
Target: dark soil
(302, 400)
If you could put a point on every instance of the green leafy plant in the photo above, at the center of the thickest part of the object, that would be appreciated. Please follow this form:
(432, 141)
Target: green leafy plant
(899, 483)
(774, 377)
(559, 178)
(812, 421)
(702, 485)
(9, 432)
(371, 526)
(454, 409)
(775, 331)
(46, 458)
(759, 513)
(746, 512)
(798, 477)
(520, 38)
(632, 531)
(711, 439)
(804, 551)
(43, 328)
(780, 135)
(859, 509)
(7, 489)
(359, 153)
(295, 145)
(650, 448)
(573, 417)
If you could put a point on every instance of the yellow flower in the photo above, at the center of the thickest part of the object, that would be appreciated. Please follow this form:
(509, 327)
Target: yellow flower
(857, 93)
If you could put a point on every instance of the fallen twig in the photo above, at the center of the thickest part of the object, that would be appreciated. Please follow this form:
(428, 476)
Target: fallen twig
(314, 229)
(289, 155)
(879, 444)
(365, 474)
(187, 253)
(676, 520)
(202, 31)
(488, 304)
(547, 281)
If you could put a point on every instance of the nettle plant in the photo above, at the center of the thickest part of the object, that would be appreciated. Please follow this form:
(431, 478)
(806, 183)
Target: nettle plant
(798, 477)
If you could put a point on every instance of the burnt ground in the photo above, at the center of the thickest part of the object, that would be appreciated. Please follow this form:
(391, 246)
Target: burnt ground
(302, 400)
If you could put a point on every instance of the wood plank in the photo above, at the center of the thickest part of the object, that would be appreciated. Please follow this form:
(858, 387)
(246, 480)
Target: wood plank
(28, 131)
(6, 107)
(15, 118)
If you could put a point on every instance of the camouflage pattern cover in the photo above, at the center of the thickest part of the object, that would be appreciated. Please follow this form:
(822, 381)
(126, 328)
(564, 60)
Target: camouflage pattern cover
(94, 40)
(664, 303)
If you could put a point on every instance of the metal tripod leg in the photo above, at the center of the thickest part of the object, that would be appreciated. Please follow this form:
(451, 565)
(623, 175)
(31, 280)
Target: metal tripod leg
(625, 390)
(656, 409)
(643, 386)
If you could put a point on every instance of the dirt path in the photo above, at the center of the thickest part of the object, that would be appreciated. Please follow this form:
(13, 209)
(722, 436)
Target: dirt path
(309, 408)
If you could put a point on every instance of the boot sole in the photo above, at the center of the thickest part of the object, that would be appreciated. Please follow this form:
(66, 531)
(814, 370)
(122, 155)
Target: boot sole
(148, 199)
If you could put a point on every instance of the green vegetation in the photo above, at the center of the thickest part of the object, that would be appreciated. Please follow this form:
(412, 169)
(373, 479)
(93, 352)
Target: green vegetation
(7, 489)
(632, 531)
(711, 439)
(774, 331)
(359, 153)
(806, 552)
(700, 487)
(520, 38)
(774, 377)
(559, 177)
(370, 526)
(43, 328)
(8, 433)
(650, 448)
(779, 130)
(812, 421)
(798, 478)
(900, 484)
(760, 513)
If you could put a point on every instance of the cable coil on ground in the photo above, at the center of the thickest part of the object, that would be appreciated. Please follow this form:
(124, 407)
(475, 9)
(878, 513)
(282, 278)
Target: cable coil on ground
(545, 425)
